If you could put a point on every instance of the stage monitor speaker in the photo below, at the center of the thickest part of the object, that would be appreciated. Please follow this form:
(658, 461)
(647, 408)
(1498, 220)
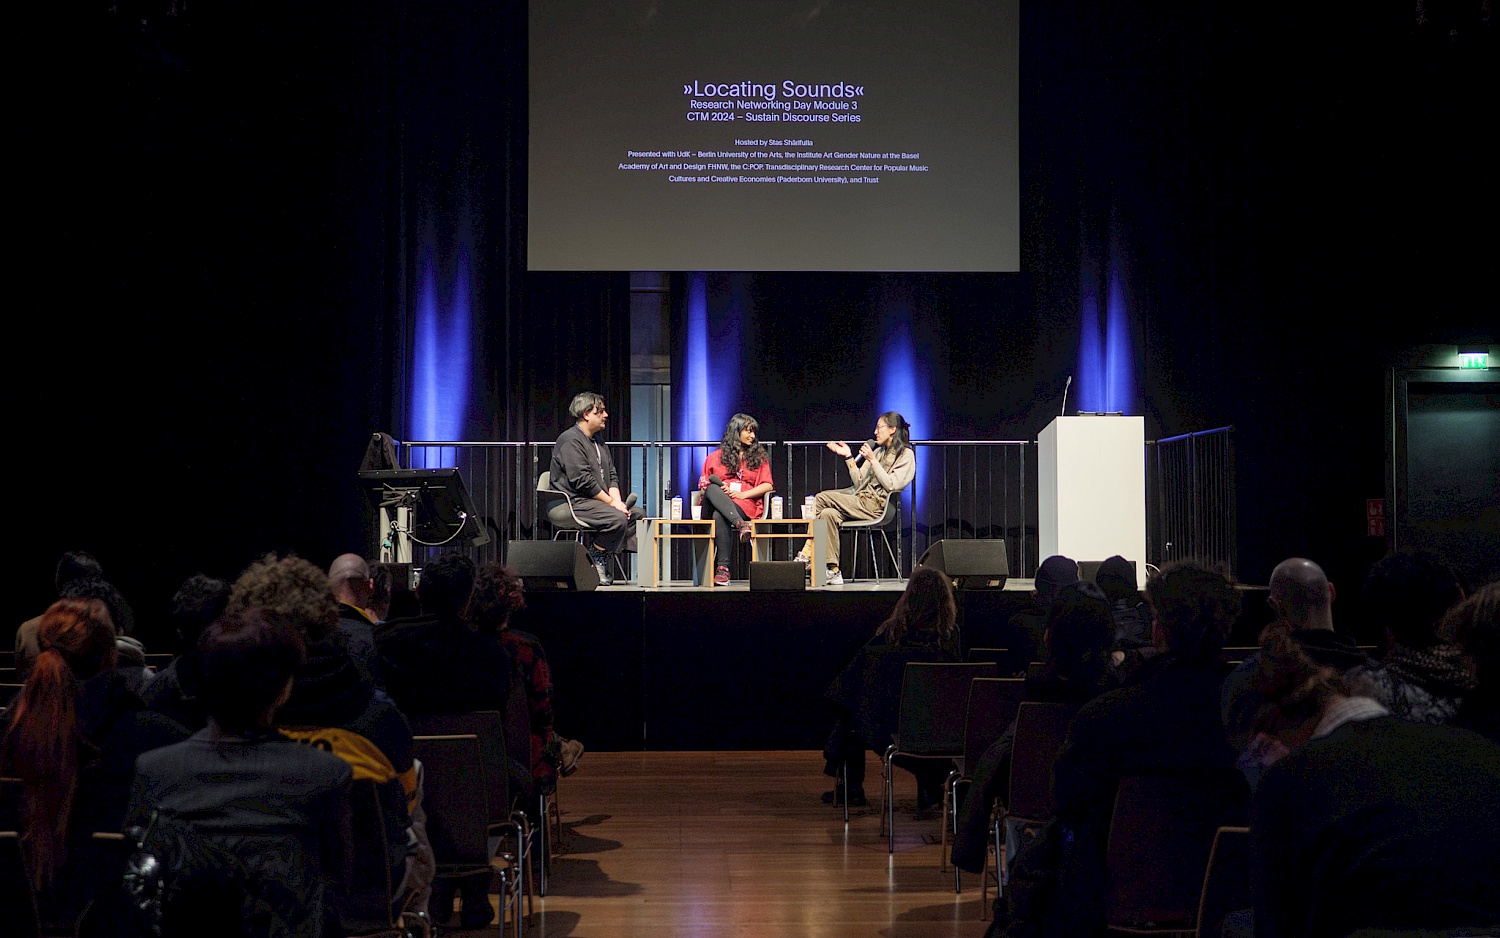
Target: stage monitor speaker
(970, 564)
(784, 575)
(552, 565)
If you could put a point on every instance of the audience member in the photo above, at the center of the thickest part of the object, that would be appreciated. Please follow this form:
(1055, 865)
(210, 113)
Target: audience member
(72, 737)
(868, 691)
(1080, 632)
(435, 664)
(1370, 822)
(1164, 721)
(1132, 619)
(379, 608)
(198, 603)
(335, 708)
(1027, 628)
(1475, 625)
(1425, 677)
(278, 806)
(352, 586)
(72, 565)
(498, 592)
(1302, 597)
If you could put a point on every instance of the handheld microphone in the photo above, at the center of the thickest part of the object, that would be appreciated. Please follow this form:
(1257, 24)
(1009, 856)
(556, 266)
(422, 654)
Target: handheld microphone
(858, 459)
(1064, 411)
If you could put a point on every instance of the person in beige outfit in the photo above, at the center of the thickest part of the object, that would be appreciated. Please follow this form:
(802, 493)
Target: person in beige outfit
(889, 466)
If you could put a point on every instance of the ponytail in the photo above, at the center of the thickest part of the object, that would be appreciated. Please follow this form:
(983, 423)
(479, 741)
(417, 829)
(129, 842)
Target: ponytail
(44, 744)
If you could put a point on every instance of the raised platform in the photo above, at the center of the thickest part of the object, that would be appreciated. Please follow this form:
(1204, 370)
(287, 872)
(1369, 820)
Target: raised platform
(687, 668)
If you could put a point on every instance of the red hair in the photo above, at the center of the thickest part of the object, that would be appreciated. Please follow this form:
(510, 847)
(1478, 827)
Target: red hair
(44, 745)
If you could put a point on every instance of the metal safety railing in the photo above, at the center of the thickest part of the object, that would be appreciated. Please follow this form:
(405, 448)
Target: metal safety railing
(963, 489)
(1190, 498)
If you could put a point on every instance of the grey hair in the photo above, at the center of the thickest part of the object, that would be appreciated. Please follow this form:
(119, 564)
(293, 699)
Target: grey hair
(584, 402)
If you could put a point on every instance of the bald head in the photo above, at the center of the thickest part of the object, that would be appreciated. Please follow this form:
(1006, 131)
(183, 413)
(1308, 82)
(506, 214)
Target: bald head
(1301, 594)
(349, 578)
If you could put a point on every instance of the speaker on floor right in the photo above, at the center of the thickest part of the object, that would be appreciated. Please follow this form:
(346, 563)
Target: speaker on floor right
(970, 564)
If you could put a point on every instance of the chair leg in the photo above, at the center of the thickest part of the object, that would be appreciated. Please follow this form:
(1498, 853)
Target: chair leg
(843, 780)
(874, 557)
(890, 800)
(950, 805)
(890, 552)
(543, 844)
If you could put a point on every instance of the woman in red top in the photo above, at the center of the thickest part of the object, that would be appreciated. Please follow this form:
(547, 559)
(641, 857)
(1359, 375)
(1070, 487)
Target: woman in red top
(743, 475)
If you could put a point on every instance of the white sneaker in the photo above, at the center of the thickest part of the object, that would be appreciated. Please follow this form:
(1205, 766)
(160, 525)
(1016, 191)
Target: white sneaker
(834, 578)
(803, 559)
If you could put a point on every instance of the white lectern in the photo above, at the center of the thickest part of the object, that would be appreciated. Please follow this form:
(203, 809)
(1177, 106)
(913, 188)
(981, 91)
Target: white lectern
(1092, 489)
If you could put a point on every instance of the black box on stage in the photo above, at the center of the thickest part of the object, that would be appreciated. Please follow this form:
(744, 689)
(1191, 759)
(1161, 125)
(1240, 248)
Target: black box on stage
(552, 565)
(777, 575)
(970, 564)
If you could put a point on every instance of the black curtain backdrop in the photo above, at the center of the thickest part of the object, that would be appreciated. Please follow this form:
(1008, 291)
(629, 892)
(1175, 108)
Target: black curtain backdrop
(220, 219)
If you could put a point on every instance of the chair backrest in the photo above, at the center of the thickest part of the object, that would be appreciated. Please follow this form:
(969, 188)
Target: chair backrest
(16, 898)
(992, 708)
(455, 798)
(996, 655)
(934, 698)
(366, 905)
(544, 481)
(489, 727)
(1160, 838)
(1040, 730)
(1226, 885)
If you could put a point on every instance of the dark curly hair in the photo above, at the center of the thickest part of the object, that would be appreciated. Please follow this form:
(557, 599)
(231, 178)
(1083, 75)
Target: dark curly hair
(498, 592)
(445, 585)
(291, 586)
(1080, 630)
(1195, 605)
(732, 452)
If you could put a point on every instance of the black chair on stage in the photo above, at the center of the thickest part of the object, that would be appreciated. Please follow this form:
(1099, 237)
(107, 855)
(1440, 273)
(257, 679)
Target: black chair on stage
(881, 526)
(565, 520)
(929, 725)
(993, 702)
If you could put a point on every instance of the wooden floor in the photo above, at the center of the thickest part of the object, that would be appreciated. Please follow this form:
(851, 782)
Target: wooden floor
(740, 844)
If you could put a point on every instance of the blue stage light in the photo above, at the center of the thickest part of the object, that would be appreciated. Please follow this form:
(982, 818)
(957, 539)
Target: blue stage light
(441, 359)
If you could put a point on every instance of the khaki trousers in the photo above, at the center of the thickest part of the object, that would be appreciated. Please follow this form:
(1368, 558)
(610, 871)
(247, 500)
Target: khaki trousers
(835, 506)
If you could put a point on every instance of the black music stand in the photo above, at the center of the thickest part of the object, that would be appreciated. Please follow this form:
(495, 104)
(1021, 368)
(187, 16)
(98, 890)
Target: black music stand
(430, 507)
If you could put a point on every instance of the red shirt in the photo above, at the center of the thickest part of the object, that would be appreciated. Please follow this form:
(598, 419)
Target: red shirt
(748, 479)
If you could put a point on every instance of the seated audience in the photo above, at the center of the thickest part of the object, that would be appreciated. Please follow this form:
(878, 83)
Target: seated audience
(198, 603)
(1025, 641)
(279, 807)
(868, 691)
(73, 565)
(1424, 677)
(334, 707)
(1132, 618)
(498, 593)
(72, 736)
(436, 664)
(349, 578)
(1164, 721)
(1080, 632)
(1370, 822)
(1475, 625)
(1302, 597)
(381, 581)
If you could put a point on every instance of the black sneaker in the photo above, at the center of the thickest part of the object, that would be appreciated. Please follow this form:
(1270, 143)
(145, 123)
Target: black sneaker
(856, 797)
(601, 566)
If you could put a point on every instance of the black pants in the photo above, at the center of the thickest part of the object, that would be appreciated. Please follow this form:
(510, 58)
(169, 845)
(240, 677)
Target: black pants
(721, 508)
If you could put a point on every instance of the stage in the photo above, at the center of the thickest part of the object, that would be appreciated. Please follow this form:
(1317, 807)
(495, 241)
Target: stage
(723, 668)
